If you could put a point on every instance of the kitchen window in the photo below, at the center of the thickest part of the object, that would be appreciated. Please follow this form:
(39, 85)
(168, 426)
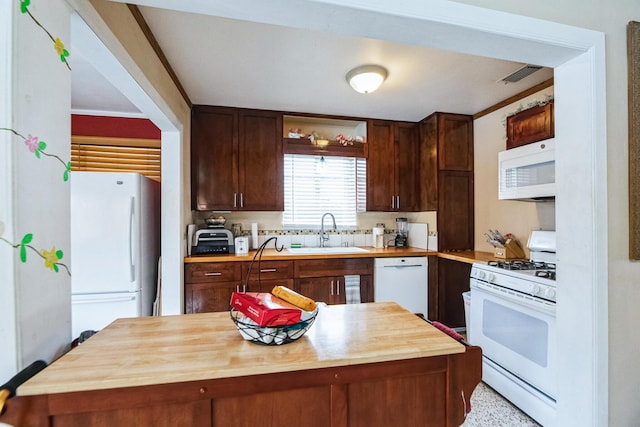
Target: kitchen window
(314, 185)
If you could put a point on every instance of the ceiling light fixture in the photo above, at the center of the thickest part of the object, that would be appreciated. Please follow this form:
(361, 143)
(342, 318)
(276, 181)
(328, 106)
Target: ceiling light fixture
(366, 78)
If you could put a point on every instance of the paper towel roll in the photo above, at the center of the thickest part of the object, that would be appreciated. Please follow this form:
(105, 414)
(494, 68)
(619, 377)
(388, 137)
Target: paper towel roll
(191, 228)
(254, 235)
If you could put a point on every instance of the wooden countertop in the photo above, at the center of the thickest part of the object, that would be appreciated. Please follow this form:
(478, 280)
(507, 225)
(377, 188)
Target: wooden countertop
(285, 255)
(271, 254)
(171, 349)
(468, 256)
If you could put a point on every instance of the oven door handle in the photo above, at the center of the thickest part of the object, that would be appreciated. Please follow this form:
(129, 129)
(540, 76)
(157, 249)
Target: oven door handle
(515, 297)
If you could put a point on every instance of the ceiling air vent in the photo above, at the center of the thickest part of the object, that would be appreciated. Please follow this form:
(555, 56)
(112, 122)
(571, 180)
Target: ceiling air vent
(520, 74)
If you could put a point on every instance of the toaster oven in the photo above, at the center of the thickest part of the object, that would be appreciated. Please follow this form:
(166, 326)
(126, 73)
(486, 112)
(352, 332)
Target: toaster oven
(212, 241)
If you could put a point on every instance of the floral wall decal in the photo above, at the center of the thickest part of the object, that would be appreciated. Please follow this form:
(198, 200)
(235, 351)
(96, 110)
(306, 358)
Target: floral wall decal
(37, 148)
(57, 44)
(51, 258)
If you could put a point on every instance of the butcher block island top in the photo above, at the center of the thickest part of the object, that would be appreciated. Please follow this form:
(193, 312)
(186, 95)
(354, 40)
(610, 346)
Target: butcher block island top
(359, 365)
(169, 349)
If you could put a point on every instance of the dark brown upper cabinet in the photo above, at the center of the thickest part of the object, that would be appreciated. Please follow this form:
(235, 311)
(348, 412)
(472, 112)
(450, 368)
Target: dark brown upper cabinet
(455, 142)
(446, 170)
(236, 159)
(393, 167)
(531, 125)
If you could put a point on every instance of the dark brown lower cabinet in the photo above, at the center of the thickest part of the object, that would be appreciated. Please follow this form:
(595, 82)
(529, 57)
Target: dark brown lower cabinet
(324, 279)
(445, 293)
(209, 285)
(266, 285)
(327, 289)
(196, 414)
(332, 289)
(208, 297)
(429, 391)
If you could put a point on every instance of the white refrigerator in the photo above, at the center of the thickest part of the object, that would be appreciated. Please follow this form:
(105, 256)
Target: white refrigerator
(115, 245)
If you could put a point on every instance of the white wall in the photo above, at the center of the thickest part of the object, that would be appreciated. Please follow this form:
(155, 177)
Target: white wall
(508, 216)
(8, 333)
(623, 275)
(37, 320)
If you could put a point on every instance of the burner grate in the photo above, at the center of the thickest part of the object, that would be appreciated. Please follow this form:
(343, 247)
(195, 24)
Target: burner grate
(523, 265)
(547, 274)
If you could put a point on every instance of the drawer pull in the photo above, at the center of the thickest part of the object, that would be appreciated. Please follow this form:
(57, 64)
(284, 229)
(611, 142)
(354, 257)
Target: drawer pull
(215, 273)
(268, 270)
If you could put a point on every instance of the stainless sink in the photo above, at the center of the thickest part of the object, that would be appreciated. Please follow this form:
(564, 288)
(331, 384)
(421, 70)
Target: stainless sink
(331, 250)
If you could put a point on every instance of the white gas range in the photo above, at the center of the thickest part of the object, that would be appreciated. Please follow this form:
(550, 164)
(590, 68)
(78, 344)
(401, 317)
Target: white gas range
(513, 319)
(536, 279)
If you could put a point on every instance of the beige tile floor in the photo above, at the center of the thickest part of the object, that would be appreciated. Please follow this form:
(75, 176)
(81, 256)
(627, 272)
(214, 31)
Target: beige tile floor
(490, 409)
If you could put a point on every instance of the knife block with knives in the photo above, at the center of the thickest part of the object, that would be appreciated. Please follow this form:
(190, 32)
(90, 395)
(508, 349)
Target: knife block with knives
(505, 247)
(511, 249)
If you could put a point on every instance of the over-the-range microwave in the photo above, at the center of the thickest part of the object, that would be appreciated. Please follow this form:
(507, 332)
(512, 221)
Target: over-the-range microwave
(528, 172)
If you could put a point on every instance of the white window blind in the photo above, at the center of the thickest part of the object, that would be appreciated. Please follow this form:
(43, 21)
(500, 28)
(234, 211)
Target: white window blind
(105, 154)
(314, 185)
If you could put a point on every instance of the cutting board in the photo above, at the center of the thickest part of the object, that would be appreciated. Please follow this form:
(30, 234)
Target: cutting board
(418, 235)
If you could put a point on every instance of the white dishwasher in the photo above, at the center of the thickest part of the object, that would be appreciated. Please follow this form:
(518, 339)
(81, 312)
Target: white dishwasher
(402, 280)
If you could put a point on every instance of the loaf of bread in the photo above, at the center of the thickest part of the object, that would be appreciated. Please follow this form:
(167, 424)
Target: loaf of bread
(294, 298)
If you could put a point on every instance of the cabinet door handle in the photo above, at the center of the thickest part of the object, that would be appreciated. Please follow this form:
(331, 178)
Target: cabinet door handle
(235, 204)
(398, 202)
(244, 288)
(268, 270)
(105, 300)
(332, 287)
(242, 200)
(338, 287)
(393, 202)
(213, 273)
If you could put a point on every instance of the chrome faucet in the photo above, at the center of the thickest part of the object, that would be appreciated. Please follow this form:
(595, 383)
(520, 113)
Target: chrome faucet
(323, 235)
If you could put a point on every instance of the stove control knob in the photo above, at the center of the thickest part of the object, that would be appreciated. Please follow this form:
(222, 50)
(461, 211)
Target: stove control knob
(491, 278)
(535, 290)
(482, 274)
(551, 293)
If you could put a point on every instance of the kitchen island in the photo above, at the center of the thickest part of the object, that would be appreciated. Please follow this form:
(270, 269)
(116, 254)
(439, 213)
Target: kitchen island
(359, 365)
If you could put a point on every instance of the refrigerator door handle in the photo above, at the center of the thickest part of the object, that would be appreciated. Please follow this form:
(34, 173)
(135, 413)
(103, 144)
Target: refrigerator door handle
(132, 269)
(103, 300)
